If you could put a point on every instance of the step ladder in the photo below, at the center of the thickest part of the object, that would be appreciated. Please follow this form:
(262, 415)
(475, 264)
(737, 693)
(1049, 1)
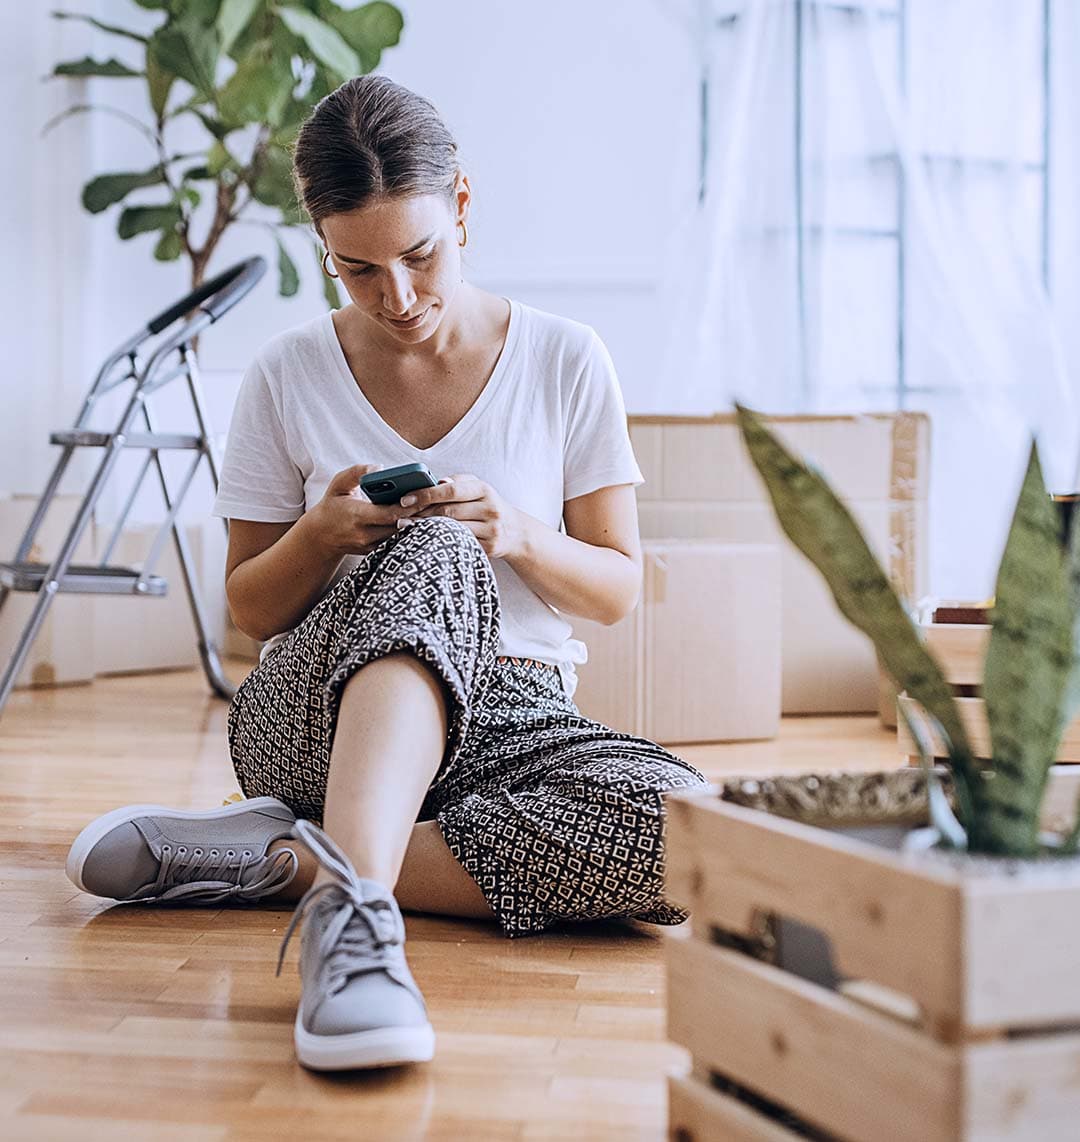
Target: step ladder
(146, 368)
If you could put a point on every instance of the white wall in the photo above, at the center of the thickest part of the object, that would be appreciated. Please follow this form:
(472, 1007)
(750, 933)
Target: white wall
(578, 127)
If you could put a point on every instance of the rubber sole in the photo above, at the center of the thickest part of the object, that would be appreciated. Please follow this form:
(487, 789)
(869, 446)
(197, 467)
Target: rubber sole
(379, 1047)
(101, 826)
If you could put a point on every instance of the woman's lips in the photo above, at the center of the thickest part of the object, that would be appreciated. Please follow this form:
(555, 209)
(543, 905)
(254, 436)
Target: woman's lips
(410, 322)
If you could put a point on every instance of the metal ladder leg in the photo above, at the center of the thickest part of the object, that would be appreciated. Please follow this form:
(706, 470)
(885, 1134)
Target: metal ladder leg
(208, 652)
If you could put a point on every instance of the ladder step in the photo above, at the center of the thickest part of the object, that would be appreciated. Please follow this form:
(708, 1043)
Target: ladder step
(84, 438)
(83, 579)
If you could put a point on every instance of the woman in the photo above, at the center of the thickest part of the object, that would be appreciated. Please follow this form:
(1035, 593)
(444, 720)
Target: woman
(416, 693)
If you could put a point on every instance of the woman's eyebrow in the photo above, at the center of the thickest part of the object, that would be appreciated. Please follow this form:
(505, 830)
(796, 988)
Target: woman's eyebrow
(404, 253)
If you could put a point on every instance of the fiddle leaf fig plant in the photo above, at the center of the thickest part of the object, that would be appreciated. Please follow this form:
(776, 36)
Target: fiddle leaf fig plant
(1031, 682)
(248, 72)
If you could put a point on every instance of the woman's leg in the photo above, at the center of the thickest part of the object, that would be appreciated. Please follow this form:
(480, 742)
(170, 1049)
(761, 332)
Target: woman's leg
(568, 820)
(390, 738)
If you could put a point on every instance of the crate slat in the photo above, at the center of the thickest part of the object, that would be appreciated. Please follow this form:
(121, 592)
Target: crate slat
(697, 1113)
(839, 1065)
(721, 866)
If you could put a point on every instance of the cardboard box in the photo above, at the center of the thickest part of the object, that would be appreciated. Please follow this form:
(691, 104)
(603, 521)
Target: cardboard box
(701, 484)
(699, 658)
(63, 650)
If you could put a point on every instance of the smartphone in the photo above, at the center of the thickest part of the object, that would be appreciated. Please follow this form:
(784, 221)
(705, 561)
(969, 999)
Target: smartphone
(389, 485)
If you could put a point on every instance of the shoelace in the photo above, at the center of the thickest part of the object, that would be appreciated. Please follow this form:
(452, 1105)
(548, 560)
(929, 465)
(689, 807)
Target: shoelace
(363, 930)
(211, 875)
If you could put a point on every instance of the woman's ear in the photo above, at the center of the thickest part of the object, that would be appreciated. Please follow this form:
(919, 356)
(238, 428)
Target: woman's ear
(462, 197)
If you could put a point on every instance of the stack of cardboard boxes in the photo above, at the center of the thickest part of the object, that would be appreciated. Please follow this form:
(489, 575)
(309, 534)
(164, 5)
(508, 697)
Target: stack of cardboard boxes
(744, 627)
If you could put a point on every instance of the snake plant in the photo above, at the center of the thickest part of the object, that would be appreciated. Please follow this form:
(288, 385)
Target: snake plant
(1031, 683)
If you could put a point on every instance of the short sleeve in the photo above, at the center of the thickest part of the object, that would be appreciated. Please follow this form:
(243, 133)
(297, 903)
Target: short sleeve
(597, 452)
(258, 479)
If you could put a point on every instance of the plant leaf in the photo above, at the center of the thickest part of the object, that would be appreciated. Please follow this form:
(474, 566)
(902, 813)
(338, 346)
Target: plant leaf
(111, 29)
(139, 219)
(325, 43)
(101, 192)
(152, 5)
(368, 30)
(252, 90)
(218, 159)
(232, 18)
(1028, 663)
(110, 68)
(941, 815)
(288, 278)
(159, 82)
(273, 185)
(825, 532)
(169, 246)
(187, 49)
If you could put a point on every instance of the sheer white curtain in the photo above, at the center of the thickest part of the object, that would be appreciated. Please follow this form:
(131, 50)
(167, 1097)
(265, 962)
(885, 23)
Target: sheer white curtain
(887, 220)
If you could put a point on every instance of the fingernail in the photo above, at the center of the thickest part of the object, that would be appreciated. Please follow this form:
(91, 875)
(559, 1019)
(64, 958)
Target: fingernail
(408, 501)
(404, 523)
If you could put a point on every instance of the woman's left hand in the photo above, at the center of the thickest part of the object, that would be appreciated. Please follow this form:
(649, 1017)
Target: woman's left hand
(496, 524)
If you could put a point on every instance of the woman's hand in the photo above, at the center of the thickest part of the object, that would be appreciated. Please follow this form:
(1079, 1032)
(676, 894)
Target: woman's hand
(347, 522)
(498, 526)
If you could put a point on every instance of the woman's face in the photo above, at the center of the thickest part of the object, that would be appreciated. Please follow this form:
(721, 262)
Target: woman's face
(399, 261)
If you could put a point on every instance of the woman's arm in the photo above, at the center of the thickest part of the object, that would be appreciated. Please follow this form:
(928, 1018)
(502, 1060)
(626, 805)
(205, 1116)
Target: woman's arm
(593, 571)
(275, 573)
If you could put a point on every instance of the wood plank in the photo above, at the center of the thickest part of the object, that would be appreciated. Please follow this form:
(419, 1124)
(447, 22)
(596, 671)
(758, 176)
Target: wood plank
(829, 1060)
(1023, 1089)
(730, 864)
(960, 649)
(973, 715)
(696, 1111)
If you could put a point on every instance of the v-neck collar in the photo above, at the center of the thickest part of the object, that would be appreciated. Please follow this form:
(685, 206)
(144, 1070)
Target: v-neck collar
(472, 415)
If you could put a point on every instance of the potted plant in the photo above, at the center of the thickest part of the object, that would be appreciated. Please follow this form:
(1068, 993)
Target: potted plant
(247, 72)
(892, 956)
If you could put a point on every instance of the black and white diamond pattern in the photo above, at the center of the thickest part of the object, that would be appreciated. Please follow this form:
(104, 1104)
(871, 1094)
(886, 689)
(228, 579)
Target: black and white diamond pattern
(555, 816)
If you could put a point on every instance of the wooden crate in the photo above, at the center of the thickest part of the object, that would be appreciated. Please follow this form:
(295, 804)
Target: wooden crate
(961, 650)
(958, 1014)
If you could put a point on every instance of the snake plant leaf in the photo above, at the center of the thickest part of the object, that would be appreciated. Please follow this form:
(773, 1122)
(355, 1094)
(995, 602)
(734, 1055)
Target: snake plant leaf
(942, 818)
(825, 532)
(1028, 663)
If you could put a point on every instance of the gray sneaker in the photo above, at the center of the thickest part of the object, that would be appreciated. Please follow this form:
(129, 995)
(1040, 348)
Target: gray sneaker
(360, 1005)
(147, 853)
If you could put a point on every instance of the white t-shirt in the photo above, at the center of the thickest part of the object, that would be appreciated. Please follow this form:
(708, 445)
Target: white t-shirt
(549, 426)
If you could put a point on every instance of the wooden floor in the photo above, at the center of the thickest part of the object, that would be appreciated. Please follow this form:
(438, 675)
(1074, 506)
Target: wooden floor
(146, 1023)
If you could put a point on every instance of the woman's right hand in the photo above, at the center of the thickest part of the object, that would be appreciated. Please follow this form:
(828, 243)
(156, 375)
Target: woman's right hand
(347, 522)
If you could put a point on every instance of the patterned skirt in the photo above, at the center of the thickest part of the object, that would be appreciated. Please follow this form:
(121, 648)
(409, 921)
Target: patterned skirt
(555, 816)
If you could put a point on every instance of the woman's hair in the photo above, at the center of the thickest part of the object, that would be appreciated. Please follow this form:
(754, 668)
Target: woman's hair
(369, 139)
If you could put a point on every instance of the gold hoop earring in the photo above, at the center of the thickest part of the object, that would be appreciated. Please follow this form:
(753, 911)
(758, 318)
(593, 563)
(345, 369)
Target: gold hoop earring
(464, 234)
(326, 255)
